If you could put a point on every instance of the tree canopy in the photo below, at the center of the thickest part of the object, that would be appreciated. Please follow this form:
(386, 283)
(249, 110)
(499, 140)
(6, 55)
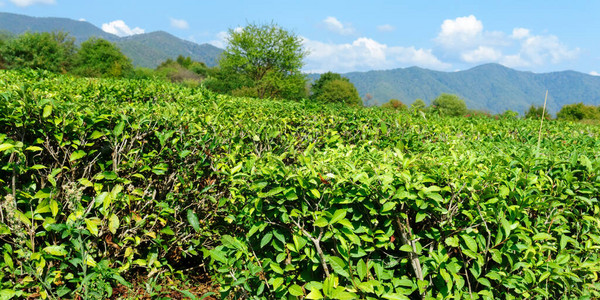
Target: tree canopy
(49, 51)
(339, 91)
(101, 58)
(449, 105)
(268, 57)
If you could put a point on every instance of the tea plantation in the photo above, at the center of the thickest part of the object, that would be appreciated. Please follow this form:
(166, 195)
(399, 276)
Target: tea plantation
(103, 181)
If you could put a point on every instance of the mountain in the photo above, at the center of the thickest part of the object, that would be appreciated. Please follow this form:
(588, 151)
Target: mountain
(80, 30)
(490, 87)
(150, 49)
(145, 50)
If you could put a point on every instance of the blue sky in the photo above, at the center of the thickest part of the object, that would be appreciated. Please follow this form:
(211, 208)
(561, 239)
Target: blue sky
(344, 36)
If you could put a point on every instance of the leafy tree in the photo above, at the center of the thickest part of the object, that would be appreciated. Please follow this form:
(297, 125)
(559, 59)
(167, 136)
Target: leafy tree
(535, 112)
(339, 91)
(324, 89)
(101, 58)
(262, 53)
(394, 104)
(578, 111)
(317, 86)
(419, 104)
(48, 51)
(449, 105)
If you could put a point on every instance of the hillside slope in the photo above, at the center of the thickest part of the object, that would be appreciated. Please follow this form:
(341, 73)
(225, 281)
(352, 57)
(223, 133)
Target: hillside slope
(145, 50)
(490, 87)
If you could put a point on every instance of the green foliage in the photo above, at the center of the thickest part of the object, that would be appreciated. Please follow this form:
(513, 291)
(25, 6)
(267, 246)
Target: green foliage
(395, 104)
(317, 86)
(419, 104)
(101, 58)
(338, 91)
(578, 112)
(103, 179)
(535, 112)
(47, 51)
(268, 57)
(449, 105)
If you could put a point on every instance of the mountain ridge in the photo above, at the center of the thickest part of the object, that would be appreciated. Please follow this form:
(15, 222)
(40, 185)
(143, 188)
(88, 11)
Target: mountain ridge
(145, 49)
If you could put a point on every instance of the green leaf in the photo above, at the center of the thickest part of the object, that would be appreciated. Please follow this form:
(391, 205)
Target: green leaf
(337, 215)
(277, 282)
(420, 216)
(296, 290)
(315, 193)
(339, 266)
(77, 155)
(361, 269)
(92, 225)
(542, 236)
(315, 294)
(54, 207)
(56, 250)
(47, 111)
(7, 294)
(266, 239)
(193, 220)
(8, 261)
(470, 242)
(6, 146)
(395, 296)
(113, 223)
(34, 148)
(321, 222)
(505, 226)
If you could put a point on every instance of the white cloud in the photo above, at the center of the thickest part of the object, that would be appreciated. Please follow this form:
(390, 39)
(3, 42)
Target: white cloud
(118, 27)
(386, 28)
(481, 54)
(594, 73)
(520, 33)
(334, 25)
(365, 54)
(179, 23)
(222, 37)
(464, 39)
(82, 20)
(460, 32)
(24, 3)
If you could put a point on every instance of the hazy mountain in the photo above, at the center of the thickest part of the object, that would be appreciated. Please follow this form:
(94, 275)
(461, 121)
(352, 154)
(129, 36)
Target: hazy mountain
(145, 50)
(80, 30)
(150, 49)
(489, 87)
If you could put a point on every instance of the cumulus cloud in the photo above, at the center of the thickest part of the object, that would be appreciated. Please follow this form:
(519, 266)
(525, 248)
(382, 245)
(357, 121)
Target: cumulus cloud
(365, 54)
(334, 25)
(119, 28)
(481, 54)
(386, 28)
(520, 33)
(221, 38)
(594, 73)
(465, 39)
(24, 3)
(179, 23)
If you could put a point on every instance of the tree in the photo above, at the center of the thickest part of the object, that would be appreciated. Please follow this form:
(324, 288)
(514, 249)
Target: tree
(339, 91)
(449, 105)
(535, 112)
(324, 89)
(419, 104)
(577, 112)
(262, 53)
(317, 86)
(48, 51)
(394, 104)
(101, 58)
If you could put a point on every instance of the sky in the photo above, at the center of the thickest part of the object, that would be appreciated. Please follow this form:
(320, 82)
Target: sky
(346, 36)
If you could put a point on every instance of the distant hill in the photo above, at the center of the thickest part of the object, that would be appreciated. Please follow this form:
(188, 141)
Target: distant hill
(145, 50)
(489, 87)
(150, 49)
